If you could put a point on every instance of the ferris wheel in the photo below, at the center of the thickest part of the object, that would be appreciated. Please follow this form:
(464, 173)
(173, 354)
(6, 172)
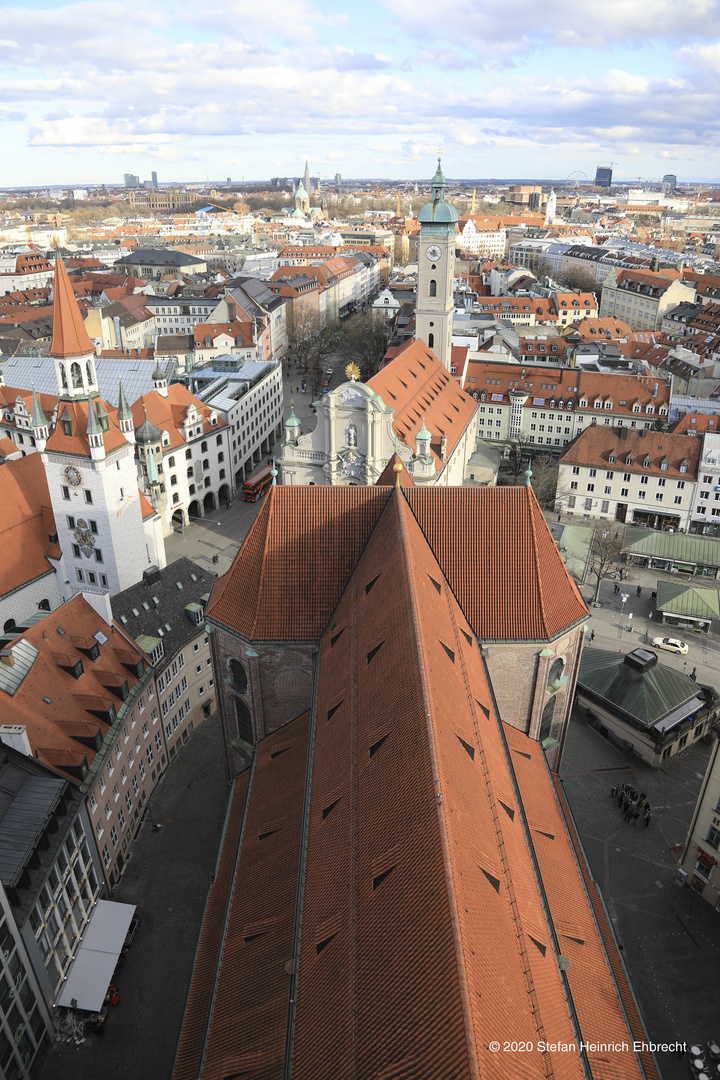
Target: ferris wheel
(576, 178)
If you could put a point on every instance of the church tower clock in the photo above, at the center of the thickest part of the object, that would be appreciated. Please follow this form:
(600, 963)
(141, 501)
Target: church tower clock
(434, 303)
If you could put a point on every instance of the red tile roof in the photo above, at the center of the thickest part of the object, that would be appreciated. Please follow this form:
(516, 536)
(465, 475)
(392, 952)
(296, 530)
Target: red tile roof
(694, 424)
(70, 338)
(58, 709)
(420, 390)
(77, 441)
(492, 543)
(424, 932)
(597, 445)
(26, 523)
(168, 413)
(253, 978)
(390, 478)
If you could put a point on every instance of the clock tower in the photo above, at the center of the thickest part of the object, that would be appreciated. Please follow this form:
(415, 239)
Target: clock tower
(90, 466)
(434, 303)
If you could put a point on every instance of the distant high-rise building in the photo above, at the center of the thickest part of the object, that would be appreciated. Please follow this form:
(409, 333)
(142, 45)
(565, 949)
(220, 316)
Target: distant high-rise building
(551, 208)
(131, 181)
(338, 179)
(306, 176)
(603, 176)
(154, 180)
(669, 183)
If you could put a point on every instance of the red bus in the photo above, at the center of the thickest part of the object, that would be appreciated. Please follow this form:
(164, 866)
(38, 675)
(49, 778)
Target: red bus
(256, 485)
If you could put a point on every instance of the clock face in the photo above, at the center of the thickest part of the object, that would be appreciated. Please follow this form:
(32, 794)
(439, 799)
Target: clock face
(434, 253)
(72, 476)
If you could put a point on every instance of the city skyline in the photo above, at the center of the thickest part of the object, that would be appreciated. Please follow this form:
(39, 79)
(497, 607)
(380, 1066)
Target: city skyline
(94, 90)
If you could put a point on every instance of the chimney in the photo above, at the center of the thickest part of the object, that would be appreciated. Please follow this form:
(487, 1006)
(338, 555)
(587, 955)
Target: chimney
(15, 735)
(6, 655)
(231, 311)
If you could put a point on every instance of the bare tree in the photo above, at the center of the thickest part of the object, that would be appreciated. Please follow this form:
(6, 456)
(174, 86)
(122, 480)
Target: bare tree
(363, 341)
(518, 451)
(605, 550)
(309, 343)
(544, 480)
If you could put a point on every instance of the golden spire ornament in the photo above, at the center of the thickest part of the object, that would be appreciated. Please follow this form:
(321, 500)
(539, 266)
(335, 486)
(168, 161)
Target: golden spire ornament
(352, 371)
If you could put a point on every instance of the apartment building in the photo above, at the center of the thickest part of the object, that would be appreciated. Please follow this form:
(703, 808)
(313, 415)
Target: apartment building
(86, 695)
(705, 515)
(641, 298)
(546, 407)
(699, 865)
(643, 477)
(165, 616)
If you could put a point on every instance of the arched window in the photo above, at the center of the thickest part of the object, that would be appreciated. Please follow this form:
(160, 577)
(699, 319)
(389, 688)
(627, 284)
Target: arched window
(243, 721)
(238, 677)
(44, 605)
(63, 377)
(547, 719)
(76, 375)
(173, 481)
(433, 287)
(9, 626)
(431, 340)
(90, 377)
(203, 448)
(555, 671)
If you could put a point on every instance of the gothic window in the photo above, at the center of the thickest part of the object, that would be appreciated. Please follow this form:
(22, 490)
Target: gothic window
(76, 375)
(63, 377)
(547, 719)
(238, 677)
(556, 671)
(243, 721)
(431, 341)
(433, 287)
(351, 435)
(88, 369)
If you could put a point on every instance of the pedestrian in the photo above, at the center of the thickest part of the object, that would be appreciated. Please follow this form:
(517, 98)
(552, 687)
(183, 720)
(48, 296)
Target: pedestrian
(639, 591)
(592, 635)
(616, 589)
(648, 817)
(613, 791)
(635, 816)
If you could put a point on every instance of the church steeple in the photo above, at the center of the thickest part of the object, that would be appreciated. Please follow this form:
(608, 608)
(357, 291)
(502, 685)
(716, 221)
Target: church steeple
(306, 177)
(40, 426)
(70, 348)
(436, 271)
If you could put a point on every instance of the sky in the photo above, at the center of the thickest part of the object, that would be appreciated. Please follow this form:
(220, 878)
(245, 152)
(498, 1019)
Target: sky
(93, 89)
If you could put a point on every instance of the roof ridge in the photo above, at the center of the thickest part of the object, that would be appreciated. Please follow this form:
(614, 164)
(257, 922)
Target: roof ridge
(462, 974)
(270, 501)
(538, 575)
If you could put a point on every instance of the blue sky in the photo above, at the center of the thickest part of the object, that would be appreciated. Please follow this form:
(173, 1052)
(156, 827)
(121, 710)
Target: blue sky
(96, 88)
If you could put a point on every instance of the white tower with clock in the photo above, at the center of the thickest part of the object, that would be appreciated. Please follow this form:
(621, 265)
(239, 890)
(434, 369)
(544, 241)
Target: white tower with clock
(106, 536)
(434, 303)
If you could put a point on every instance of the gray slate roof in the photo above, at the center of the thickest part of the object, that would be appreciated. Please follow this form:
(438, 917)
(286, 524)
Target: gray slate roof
(678, 547)
(152, 617)
(22, 371)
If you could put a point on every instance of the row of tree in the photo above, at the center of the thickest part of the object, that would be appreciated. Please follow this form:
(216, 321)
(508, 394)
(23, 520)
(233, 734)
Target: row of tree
(361, 340)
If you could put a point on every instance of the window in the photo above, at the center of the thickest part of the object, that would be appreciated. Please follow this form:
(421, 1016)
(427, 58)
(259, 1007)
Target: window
(121, 817)
(592, 472)
(641, 494)
(662, 481)
(88, 496)
(114, 837)
(576, 470)
(713, 837)
(116, 792)
(624, 492)
(659, 496)
(626, 477)
(609, 475)
(66, 493)
(607, 490)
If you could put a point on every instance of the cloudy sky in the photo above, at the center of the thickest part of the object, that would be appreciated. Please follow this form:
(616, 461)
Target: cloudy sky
(96, 88)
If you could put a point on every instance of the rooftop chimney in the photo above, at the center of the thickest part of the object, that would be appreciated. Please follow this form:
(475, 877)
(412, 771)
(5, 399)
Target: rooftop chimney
(6, 655)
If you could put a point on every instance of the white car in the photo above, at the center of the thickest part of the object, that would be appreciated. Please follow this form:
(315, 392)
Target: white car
(670, 644)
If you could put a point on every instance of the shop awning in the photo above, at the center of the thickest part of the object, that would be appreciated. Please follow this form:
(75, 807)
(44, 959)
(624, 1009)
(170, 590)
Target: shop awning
(95, 960)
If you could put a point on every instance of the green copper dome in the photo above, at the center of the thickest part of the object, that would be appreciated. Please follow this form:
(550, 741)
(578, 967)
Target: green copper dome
(438, 212)
(292, 420)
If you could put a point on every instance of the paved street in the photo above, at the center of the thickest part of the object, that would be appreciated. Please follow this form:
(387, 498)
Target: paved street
(167, 877)
(670, 938)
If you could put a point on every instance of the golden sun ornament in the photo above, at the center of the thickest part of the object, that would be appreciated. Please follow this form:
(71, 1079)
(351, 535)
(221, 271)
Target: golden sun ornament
(352, 371)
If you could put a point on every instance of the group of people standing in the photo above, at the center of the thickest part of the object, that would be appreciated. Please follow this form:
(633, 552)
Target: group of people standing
(634, 804)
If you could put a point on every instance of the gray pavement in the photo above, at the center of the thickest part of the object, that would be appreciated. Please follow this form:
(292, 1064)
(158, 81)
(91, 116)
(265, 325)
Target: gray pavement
(168, 878)
(669, 937)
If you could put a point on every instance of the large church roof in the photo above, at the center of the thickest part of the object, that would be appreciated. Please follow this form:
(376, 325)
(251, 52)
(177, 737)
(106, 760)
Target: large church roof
(69, 337)
(27, 523)
(423, 928)
(492, 544)
(419, 389)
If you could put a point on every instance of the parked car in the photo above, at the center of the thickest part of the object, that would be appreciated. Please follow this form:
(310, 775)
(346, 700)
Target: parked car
(329, 372)
(670, 644)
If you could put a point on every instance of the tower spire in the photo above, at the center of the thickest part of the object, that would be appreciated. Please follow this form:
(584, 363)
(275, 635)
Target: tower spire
(69, 336)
